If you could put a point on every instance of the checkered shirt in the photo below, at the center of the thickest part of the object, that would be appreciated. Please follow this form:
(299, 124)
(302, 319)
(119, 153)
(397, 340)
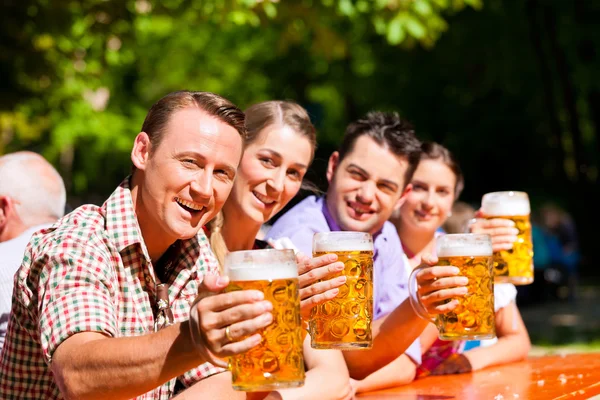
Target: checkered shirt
(90, 272)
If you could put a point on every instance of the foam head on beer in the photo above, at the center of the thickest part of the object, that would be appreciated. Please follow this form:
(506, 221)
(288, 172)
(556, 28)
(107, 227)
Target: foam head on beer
(260, 265)
(505, 204)
(464, 245)
(342, 241)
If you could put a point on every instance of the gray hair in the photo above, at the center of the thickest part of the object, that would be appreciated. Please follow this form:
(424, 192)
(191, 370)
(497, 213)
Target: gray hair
(37, 188)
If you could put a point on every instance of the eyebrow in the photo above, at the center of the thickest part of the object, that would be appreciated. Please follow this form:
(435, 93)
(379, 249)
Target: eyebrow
(230, 169)
(276, 154)
(425, 183)
(364, 172)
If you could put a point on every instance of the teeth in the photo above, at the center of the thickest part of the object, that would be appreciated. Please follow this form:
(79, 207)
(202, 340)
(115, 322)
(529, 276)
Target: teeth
(360, 210)
(264, 199)
(189, 204)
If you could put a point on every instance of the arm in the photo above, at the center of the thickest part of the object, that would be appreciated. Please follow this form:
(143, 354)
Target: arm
(89, 365)
(513, 341)
(399, 372)
(394, 333)
(326, 377)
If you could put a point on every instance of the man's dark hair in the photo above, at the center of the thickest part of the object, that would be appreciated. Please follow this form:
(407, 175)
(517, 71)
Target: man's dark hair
(388, 130)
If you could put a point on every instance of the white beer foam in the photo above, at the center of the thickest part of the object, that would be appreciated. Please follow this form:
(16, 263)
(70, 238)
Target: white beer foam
(261, 272)
(340, 244)
(464, 250)
(503, 204)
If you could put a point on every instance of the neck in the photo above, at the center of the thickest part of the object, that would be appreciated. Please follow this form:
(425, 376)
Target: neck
(239, 231)
(156, 243)
(414, 243)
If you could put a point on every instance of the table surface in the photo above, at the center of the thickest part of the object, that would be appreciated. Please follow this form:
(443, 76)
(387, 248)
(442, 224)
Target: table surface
(575, 376)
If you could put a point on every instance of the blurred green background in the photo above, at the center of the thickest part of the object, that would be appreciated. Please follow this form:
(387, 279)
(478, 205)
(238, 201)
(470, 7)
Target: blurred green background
(509, 86)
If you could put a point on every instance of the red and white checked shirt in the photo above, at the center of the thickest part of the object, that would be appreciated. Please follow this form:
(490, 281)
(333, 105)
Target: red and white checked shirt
(90, 272)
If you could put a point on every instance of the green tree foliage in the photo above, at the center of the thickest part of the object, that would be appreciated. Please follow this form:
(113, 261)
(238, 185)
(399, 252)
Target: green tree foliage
(81, 74)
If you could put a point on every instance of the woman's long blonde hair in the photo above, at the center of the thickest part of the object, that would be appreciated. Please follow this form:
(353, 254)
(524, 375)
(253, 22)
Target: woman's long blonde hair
(258, 118)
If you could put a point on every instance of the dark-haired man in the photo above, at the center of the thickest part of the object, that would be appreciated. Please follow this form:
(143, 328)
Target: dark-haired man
(368, 178)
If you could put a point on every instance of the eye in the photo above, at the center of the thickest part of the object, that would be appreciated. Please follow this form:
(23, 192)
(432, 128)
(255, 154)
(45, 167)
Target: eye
(267, 162)
(443, 192)
(223, 174)
(295, 174)
(418, 187)
(189, 162)
(386, 188)
(357, 175)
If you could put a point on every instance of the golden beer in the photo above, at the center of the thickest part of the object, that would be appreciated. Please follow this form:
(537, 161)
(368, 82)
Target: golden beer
(474, 317)
(515, 265)
(277, 362)
(345, 321)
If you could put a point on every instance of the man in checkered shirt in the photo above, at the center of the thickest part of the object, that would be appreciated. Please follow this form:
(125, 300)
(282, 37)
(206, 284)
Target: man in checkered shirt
(106, 300)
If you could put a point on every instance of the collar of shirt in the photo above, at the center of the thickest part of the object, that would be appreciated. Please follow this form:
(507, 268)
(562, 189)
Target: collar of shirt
(331, 222)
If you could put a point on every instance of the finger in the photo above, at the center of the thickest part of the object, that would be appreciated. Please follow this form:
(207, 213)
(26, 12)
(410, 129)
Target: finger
(301, 258)
(431, 299)
(428, 259)
(499, 231)
(242, 346)
(510, 239)
(322, 287)
(443, 283)
(496, 247)
(313, 275)
(213, 283)
(307, 304)
(236, 314)
(316, 262)
(249, 327)
(436, 272)
(228, 300)
(494, 223)
(442, 307)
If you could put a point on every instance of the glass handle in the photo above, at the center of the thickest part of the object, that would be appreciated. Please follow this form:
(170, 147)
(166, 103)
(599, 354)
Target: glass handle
(414, 299)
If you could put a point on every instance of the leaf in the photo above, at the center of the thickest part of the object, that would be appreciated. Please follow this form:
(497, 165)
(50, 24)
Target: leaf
(415, 28)
(395, 31)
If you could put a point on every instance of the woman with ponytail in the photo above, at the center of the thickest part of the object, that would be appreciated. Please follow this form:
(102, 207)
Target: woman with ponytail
(279, 148)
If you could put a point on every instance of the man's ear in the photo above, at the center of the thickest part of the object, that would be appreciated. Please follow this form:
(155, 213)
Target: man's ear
(403, 197)
(141, 150)
(332, 165)
(7, 207)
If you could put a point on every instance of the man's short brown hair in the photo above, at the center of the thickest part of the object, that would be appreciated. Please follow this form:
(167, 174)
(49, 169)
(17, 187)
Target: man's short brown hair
(213, 104)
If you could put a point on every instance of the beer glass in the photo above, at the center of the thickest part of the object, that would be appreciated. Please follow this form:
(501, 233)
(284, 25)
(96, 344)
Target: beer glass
(474, 317)
(277, 361)
(345, 321)
(515, 265)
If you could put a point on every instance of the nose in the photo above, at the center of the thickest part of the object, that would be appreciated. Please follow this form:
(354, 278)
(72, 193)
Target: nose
(366, 192)
(276, 182)
(202, 185)
(427, 199)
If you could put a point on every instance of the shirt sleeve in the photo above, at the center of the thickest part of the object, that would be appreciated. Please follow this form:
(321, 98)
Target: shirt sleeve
(76, 296)
(504, 294)
(300, 237)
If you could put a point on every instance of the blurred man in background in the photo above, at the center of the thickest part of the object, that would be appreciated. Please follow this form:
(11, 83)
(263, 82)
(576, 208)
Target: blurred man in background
(32, 197)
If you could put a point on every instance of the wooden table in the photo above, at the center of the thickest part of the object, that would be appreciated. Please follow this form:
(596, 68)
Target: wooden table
(575, 376)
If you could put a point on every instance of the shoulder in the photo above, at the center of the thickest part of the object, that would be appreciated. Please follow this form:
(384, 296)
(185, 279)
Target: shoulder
(306, 215)
(79, 235)
(389, 239)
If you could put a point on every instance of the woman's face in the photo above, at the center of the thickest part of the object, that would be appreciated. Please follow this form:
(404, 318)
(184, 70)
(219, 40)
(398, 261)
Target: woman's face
(271, 172)
(428, 204)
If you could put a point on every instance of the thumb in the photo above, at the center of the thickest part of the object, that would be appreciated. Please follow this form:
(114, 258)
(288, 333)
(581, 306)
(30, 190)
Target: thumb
(213, 283)
(479, 214)
(429, 259)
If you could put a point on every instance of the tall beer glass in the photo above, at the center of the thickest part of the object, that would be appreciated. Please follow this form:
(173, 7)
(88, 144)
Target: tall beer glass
(515, 265)
(474, 317)
(345, 321)
(277, 361)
